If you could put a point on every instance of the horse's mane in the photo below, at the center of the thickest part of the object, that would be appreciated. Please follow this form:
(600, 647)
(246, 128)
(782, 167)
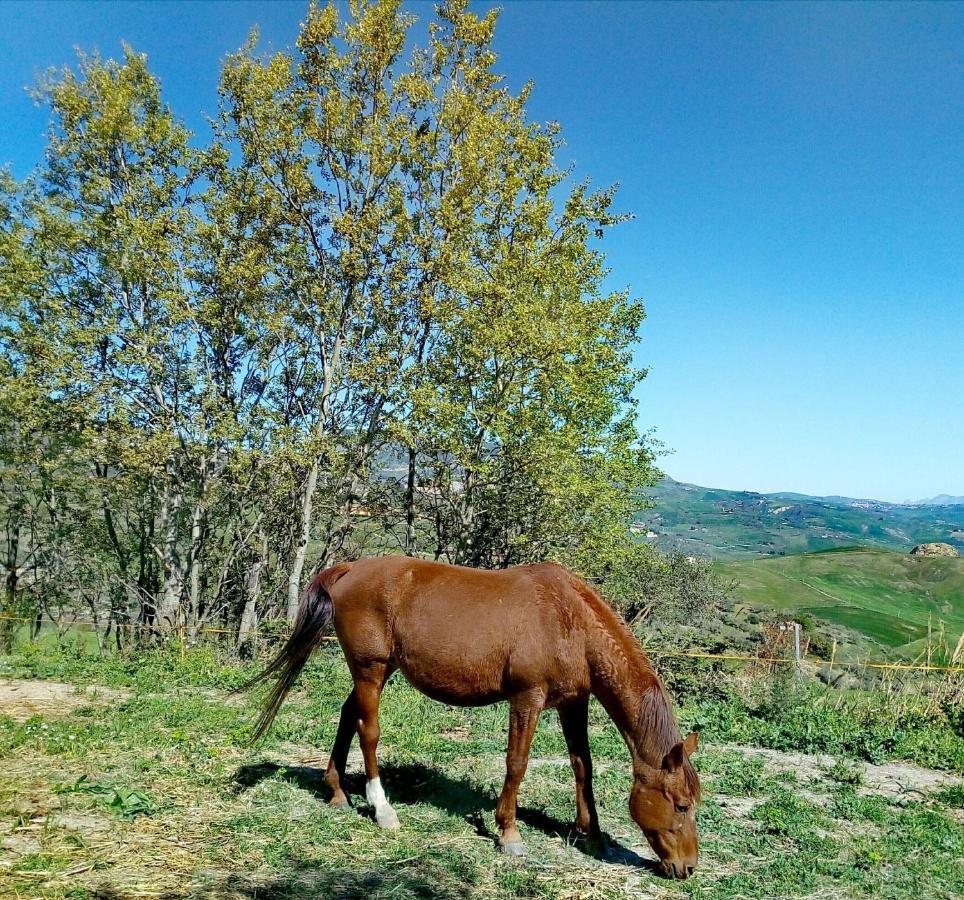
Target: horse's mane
(656, 731)
(656, 725)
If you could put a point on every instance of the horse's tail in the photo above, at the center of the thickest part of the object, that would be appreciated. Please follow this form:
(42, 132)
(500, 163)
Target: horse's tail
(315, 614)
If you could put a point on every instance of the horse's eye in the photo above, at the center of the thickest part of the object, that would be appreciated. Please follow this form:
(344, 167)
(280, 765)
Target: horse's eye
(682, 808)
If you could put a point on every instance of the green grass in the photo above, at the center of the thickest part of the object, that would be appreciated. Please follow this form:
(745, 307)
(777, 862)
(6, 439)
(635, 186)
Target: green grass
(158, 794)
(890, 598)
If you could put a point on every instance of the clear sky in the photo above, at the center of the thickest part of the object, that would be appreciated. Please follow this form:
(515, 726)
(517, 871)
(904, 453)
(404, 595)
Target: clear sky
(796, 174)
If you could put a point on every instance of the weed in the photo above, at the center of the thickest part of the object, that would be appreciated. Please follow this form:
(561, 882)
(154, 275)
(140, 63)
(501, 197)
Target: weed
(853, 807)
(952, 796)
(845, 772)
(126, 803)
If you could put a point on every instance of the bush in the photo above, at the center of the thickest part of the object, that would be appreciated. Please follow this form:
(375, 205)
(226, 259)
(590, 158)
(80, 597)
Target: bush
(783, 714)
(667, 593)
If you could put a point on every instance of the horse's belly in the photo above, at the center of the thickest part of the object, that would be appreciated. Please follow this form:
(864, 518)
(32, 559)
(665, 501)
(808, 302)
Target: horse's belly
(453, 693)
(458, 673)
(463, 668)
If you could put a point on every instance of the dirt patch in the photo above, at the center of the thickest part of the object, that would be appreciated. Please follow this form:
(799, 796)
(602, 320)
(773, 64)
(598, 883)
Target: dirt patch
(21, 699)
(739, 807)
(892, 779)
(20, 843)
(83, 823)
(460, 733)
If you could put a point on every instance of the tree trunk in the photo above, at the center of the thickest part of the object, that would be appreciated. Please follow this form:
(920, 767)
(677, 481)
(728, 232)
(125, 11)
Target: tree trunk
(194, 605)
(410, 536)
(307, 499)
(252, 589)
(169, 614)
(8, 626)
(301, 548)
(10, 609)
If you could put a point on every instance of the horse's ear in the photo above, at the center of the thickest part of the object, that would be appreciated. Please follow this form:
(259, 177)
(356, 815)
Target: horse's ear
(675, 758)
(678, 755)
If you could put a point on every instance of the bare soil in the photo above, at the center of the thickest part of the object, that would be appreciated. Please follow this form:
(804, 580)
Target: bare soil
(21, 699)
(891, 779)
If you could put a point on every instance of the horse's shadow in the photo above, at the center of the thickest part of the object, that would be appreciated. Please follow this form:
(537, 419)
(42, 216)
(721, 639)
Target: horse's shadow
(415, 783)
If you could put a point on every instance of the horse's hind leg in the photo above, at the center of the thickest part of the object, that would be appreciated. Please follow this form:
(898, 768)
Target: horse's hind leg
(368, 690)
(339, 752)
(524, 710)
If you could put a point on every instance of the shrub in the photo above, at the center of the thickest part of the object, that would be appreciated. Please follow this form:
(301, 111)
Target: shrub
(786, 715)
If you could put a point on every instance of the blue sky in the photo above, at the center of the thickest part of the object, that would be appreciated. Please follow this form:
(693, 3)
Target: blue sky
(796, 175)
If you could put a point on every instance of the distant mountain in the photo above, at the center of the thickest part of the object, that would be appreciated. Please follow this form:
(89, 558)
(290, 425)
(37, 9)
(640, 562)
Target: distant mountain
(940, 500)
(745, 525)
(836, 500)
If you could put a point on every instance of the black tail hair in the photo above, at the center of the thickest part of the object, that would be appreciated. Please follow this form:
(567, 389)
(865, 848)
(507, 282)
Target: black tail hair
(315, 614)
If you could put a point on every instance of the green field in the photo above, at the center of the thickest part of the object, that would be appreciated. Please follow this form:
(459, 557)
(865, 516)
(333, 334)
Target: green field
(891, 598)
(144, 786)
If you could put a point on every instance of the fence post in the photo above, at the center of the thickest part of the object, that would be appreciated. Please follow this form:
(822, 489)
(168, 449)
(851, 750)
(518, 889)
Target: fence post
(796, 647)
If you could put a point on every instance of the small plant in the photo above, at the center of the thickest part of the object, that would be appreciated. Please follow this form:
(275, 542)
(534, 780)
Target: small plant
(126, 804)
(742, 776)
(785, 813)
(845, 772)
(849, 805)
(952, 796)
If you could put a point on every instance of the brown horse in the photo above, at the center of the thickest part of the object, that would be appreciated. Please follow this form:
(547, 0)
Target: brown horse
(534, 635)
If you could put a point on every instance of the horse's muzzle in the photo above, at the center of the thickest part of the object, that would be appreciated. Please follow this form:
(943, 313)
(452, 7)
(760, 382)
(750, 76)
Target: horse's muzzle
(676, 870)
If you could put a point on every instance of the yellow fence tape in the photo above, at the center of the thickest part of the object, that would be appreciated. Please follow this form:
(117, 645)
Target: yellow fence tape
(691, 654)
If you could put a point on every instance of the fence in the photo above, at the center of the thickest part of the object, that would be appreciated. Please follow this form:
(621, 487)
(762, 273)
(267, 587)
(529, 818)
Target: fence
(278, 626)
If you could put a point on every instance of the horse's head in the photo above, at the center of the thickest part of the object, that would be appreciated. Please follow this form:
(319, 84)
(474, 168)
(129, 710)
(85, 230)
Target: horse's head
(663, 804)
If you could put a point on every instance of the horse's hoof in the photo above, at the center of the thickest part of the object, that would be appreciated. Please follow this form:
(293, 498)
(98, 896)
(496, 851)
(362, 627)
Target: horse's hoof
(591, 838)
(597, 845)
(514, 848)
(387, 818)
(341, 807)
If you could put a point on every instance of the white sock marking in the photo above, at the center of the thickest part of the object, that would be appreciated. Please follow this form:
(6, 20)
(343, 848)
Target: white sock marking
(375, 795)
(384, 814)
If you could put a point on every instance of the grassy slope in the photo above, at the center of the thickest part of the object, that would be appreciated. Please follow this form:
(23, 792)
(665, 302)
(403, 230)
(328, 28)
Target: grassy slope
(887, 596)
(744, 525)
(158, 795)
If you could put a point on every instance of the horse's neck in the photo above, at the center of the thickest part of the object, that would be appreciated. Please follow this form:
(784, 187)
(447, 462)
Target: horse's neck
(630, 691)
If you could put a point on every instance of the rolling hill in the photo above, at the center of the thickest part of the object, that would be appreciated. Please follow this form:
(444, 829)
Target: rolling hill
(885, 596)
(843, 562)
(745, 525)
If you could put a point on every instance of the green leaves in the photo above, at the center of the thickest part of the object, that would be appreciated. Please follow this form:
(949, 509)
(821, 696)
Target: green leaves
(128, 804)
(374, 257)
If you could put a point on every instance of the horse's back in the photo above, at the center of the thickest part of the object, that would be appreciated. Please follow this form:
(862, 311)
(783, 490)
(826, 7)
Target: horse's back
(465, 636)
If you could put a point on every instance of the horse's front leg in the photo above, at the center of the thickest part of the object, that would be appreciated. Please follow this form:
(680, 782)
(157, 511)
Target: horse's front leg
(368, 690)
(574, 719)
(524, 712)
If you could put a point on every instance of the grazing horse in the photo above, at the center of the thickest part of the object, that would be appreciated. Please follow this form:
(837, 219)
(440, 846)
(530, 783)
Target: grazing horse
(536, 636)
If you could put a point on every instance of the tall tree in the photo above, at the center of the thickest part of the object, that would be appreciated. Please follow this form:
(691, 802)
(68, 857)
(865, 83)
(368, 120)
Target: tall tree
(369, 315)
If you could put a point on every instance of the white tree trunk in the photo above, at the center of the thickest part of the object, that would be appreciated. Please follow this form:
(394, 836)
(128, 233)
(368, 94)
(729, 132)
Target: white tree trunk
(298, 563)
(252, 589)
(169, 613)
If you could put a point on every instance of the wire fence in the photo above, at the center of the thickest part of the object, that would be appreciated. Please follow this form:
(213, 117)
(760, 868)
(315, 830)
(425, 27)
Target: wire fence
(273, 628)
